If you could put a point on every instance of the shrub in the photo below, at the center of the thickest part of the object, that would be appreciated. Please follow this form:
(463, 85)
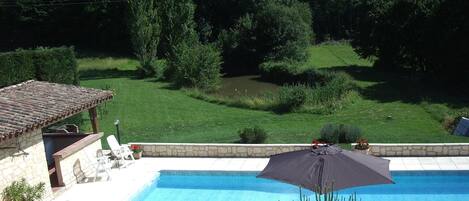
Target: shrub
(451, 121)
(330, 133)
(335, 87)
(280, 71)
(349, 134)
(22, 191)
(45, 64)
(196, 66)
(16, 67)
(291, 97)
(56, 65)
(159, 69)
(333, 133)
(252, 135)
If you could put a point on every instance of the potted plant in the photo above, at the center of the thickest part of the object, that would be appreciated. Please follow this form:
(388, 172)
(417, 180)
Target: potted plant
(137, 151)
(362, 146)
(317, 143)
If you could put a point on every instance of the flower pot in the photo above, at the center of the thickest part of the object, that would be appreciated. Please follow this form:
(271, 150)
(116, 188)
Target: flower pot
(363, 151)
(137, 155)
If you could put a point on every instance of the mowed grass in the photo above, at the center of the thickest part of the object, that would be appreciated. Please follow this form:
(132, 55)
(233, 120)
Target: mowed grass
(151, 111)
(334, 55)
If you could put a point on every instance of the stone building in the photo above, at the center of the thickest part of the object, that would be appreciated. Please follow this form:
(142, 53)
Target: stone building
(59, 158)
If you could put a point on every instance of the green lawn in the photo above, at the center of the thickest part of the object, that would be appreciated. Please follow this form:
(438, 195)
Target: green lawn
(153, 112)
(326, 56)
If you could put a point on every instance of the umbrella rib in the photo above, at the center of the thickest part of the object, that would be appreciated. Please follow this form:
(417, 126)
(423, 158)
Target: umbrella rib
(321, 169)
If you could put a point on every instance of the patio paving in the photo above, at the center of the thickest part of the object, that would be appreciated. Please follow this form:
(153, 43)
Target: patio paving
(127, 181)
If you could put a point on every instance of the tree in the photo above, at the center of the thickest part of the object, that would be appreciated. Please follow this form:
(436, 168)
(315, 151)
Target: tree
(333, 19)
(283, 30)
(275, 30)
(177, 22)
(427, 37)
(145, 30)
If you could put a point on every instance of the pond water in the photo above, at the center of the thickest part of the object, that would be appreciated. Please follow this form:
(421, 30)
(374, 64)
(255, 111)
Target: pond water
(247, 85)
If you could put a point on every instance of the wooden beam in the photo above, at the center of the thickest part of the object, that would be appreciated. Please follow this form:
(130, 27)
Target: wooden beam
(94, 119)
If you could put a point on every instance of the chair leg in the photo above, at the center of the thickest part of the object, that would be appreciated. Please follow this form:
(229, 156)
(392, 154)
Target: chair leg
(97, 172)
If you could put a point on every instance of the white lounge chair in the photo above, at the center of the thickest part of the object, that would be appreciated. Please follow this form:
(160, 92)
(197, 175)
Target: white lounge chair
(121, 152)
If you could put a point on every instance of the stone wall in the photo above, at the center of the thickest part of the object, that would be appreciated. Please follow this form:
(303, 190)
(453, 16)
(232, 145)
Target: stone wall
(266, 150)
(30, 163)
(216, 150)
(77, 163)
(435, 149)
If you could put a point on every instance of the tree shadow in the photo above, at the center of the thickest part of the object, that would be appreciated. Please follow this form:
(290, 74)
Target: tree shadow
(386, 86)
(93, 74)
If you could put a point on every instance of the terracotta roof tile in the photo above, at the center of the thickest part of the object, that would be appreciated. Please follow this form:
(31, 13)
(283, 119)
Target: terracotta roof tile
(34, 104)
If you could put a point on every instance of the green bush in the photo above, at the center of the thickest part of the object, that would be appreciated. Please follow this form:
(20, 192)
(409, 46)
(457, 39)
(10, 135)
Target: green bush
(279, 71)
(333, 133)
(45, 64)
(325, 90)
(16, 67)
(450, 122)
(252, 135)
(330, 133)
(22, 191)
(334, 89)
(291, 97)
(158, 68)
(196, 66)
(56, 65)
(349, 134)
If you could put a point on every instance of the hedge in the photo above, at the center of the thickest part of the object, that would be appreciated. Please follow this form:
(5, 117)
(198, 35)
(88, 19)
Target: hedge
(57, 65)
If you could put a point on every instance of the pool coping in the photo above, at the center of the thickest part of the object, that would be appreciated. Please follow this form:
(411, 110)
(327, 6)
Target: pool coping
(127, 182)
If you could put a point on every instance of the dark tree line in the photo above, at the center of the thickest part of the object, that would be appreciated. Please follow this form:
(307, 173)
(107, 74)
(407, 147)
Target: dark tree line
(427, 37)
(97, 24)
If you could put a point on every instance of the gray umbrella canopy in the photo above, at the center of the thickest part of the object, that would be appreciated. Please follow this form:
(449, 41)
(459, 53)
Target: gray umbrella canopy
(319, 169)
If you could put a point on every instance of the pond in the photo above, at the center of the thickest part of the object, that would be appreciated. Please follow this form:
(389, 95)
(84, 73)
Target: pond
(246, 85)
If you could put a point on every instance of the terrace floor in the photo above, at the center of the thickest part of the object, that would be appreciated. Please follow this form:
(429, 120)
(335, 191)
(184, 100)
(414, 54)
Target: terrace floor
(127, 181)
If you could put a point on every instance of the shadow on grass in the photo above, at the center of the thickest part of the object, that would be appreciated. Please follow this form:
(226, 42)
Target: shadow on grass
(392, 86)
(93, 74)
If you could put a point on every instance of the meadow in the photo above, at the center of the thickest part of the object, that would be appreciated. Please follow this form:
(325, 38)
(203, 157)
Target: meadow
(153, 111)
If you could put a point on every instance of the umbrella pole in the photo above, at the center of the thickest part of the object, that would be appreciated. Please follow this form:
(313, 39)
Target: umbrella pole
(301, 194)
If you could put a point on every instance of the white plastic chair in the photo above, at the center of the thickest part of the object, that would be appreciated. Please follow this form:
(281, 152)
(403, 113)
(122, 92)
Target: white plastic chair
(121, 152)
(103, 165)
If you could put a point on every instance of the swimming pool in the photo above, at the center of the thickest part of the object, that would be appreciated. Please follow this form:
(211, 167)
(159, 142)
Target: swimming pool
(244, 186)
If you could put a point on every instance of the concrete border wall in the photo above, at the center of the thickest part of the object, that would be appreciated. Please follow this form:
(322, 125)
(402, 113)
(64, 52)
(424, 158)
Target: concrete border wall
(411, 149)
(216, 150)
(266, 150)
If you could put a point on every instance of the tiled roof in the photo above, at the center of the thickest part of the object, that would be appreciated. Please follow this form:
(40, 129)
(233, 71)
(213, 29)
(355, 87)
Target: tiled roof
(34, 104)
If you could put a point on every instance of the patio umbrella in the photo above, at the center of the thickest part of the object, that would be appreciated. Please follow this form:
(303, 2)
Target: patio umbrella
(327, 167)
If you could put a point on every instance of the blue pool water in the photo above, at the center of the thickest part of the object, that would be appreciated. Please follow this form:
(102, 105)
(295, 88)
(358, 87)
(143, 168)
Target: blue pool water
(244, 186)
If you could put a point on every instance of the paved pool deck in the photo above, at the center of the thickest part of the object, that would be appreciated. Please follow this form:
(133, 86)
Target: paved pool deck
(127, 181)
